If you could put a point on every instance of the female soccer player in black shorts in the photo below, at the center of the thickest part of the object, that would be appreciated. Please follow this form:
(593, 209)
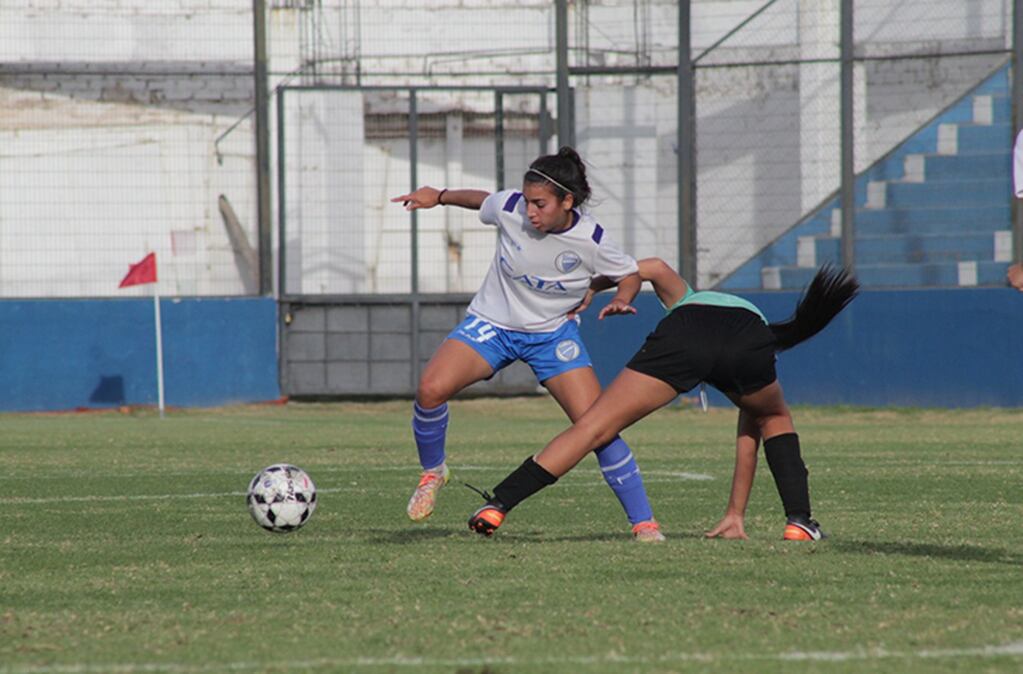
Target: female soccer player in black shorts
(710, 337)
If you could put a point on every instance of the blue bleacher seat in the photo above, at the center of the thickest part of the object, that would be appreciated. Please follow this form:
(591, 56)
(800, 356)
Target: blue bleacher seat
(935, 211)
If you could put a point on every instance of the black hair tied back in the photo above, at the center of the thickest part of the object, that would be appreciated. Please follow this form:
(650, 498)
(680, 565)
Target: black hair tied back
(565, 172)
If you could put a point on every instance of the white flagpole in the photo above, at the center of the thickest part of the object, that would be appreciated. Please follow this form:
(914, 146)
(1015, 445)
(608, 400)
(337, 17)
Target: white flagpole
(159, 345)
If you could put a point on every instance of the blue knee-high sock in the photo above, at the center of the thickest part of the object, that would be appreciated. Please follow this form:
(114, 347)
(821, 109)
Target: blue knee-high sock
(430, 427)
(623, 476)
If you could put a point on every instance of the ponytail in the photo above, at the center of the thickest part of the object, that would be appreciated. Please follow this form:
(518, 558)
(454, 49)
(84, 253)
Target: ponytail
(828, 293)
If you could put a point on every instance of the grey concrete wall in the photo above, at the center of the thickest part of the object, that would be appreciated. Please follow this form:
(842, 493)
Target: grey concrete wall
(366, 350)
(223, 88)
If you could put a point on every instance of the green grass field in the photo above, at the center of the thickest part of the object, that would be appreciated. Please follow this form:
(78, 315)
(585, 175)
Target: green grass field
(127, 547)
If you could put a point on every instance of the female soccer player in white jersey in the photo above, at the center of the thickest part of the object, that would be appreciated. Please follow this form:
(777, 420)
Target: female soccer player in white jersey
(548, 252)
(723, 340)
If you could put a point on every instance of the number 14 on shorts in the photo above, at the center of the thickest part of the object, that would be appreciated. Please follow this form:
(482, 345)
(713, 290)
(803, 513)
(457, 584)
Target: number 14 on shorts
(478, 330)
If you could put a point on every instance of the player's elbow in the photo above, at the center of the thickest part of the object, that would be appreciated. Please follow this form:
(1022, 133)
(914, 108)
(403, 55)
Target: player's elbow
(653, 268)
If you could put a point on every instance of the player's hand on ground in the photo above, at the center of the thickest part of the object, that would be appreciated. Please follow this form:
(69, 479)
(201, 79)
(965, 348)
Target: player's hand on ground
(616, 307)
(1015, 276)
(584, 305)
(424, 197)
(730, 526)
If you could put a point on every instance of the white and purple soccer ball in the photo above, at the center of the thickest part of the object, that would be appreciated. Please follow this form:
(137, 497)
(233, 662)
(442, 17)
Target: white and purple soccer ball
(281, 498)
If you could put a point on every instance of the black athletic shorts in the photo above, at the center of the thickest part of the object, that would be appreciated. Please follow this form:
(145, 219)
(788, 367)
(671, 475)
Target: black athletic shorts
(729, 348)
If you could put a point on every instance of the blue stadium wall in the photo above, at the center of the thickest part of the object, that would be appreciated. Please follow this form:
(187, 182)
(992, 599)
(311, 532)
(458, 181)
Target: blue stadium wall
(933, 348)
(67, 354)
(912, 348)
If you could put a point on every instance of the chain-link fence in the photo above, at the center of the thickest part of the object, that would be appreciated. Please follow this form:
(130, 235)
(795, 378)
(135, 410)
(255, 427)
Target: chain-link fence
(767, 154)
(347, 151)
(126, 128)
(769, 148)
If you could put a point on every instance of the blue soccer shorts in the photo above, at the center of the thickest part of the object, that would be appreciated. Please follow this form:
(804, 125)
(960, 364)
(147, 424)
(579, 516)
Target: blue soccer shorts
(547, 353)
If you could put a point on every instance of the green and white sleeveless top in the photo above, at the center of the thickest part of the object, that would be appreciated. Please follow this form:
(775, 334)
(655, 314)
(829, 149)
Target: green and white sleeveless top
(716, 299)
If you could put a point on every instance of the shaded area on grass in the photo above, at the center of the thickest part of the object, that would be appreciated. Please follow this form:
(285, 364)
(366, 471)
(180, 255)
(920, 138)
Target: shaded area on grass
(965, 553)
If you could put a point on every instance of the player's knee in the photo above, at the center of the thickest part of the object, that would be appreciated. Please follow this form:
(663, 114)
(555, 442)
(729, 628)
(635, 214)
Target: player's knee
(431, 393)
(598, 435)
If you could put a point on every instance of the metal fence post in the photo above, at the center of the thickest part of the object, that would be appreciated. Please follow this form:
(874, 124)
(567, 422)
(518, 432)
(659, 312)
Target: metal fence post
(282, 284)
(413, 153)
(283, 310)
(566, 132)
(847, 133)
(686, 150)
(262, 96)
(499, 139)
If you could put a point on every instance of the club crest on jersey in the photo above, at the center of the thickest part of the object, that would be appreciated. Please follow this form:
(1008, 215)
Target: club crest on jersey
(567, 350)
(567, 261)
(533, 282)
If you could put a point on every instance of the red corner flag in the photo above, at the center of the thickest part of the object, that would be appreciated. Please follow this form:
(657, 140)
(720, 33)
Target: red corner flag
(143, 272)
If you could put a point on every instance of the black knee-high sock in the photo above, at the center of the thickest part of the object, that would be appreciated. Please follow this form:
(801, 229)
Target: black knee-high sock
(522, 483)
(789, 471)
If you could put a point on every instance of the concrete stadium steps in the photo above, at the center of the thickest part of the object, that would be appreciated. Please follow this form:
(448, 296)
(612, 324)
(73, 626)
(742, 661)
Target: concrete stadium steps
(935, 211)
(931, 193)
(943, 167)
(931, 220)
(906, 275)
(812, 251)
(966, 139)
(999, 104)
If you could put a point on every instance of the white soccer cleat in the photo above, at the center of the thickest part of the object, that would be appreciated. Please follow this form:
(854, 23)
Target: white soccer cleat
(420, 506)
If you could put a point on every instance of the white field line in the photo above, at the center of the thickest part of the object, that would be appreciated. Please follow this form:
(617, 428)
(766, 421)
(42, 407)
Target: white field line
(992, 462)
(667, 476)
(681, 475)
(16, 500)
(411, 469)
(1012, 650)
(455, 468)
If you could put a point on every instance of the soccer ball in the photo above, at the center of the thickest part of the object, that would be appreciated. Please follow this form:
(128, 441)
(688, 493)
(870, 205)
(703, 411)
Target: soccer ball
(281, 498)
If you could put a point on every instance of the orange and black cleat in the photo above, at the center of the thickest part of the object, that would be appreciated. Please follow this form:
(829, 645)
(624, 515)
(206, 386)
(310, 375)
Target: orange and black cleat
(803, 529)
(647, 532)
(487, 519)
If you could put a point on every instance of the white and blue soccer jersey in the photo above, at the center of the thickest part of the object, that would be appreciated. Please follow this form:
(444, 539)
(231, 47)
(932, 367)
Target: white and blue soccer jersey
(536, 278)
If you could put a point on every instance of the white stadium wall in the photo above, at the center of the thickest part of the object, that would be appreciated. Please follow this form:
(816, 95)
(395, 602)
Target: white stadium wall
(88, 188)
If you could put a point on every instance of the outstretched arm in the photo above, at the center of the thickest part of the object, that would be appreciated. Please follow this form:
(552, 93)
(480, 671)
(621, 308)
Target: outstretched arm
(668, 285)
(747, 441)
(428, 197)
